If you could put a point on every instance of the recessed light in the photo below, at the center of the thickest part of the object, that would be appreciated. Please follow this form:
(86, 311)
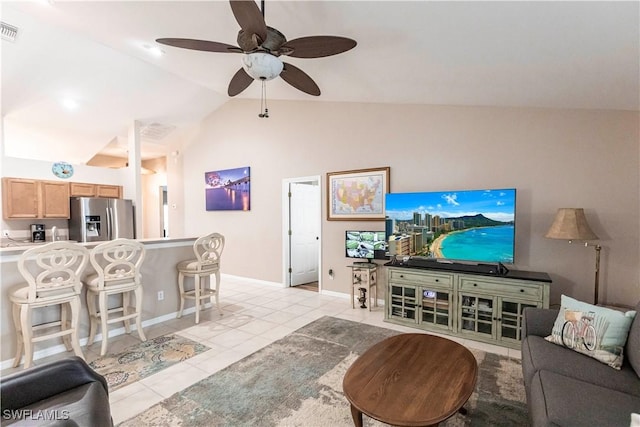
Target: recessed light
(69, 104)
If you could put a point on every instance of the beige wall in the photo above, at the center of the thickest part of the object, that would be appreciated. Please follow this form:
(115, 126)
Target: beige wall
(554, 158)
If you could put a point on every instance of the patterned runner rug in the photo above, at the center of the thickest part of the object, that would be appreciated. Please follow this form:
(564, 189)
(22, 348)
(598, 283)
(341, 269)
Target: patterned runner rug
(297, 381)
(144, 359)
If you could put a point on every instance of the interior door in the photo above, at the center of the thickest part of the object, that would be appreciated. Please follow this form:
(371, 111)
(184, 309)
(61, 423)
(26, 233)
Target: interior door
(304, 205)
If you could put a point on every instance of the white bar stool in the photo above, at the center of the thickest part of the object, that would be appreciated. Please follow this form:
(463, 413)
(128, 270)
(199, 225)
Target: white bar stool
(208, 250)
(52, 272)
(117, 264)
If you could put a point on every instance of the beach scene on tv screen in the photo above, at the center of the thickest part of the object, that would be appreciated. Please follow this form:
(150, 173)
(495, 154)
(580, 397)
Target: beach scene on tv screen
(469, 225)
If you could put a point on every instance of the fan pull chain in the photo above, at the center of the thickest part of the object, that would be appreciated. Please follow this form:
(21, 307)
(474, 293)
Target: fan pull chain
(263, 102)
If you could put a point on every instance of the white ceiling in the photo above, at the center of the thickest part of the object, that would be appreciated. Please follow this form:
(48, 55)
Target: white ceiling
(523, 54)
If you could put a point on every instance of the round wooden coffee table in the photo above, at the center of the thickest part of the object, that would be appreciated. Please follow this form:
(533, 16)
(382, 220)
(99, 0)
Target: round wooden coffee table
(410, 380)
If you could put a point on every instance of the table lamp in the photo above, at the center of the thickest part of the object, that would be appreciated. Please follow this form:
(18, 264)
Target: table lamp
(571, 224)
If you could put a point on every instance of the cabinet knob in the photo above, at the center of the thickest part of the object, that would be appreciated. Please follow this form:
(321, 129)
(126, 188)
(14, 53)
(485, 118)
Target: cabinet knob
(521, 290)
(402, 276)
(475, 284)
(437, 280)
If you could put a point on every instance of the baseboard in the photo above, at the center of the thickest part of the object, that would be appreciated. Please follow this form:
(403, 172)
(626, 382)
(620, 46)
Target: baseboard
(251, 280)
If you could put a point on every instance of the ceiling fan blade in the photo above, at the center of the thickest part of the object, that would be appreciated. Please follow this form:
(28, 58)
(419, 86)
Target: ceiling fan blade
(240, 81)
(204, 45)
(319, 46)
(299, 79)
(249, 17)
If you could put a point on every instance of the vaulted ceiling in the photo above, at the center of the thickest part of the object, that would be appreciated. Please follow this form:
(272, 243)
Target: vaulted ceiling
(581, 55)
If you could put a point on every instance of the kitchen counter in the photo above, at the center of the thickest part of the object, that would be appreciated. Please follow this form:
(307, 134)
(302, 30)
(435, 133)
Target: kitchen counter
(159, 280)
(16, 247)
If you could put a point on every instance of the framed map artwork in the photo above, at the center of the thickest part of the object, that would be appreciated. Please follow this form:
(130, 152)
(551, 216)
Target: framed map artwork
(357, 194)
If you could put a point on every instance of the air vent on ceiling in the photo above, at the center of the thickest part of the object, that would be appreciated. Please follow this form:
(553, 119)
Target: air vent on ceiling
(156, 131)
(9, 32)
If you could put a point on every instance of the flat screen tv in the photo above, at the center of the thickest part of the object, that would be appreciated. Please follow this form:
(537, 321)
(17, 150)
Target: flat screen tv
(468, 225)
(365, 244)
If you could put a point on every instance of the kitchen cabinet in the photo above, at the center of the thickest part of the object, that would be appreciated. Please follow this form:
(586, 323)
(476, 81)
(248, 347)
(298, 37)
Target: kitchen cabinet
(486, 308)
(19, 198)
(34, 199)
(24, 198)
(110, 191)
(54, 199)
(81, 189)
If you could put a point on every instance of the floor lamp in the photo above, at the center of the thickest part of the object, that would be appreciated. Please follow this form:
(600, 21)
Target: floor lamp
(571, 224)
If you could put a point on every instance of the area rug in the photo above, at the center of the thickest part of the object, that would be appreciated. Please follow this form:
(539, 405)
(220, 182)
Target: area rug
(144, 359)
(297, 381)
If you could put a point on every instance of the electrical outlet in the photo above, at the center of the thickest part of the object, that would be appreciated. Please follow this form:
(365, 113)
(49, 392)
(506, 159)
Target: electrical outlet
(160, 295)
(331, 273)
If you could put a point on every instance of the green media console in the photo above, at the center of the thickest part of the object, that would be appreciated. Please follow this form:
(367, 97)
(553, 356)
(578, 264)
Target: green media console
(477, 306)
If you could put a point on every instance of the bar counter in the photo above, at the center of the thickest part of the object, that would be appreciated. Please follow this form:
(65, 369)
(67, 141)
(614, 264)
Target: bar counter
(158, 274)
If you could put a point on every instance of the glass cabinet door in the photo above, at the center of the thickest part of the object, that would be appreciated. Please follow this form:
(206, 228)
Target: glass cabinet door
(403, 303)
(435, 308)
(476, 314)
(511, 317)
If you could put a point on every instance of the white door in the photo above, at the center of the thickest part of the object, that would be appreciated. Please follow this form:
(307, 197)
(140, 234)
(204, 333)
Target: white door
(304, 211)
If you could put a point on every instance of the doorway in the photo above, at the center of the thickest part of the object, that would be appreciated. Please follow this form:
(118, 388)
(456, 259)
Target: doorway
(302, 213)
(164, 211)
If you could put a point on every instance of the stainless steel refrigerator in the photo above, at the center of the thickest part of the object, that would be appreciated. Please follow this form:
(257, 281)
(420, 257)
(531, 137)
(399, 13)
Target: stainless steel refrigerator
(94, 219)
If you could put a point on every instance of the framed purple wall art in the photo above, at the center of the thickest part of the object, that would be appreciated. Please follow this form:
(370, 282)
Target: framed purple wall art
(228, 189)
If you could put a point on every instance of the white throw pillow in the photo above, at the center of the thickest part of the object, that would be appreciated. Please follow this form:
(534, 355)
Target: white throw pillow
(598, 332)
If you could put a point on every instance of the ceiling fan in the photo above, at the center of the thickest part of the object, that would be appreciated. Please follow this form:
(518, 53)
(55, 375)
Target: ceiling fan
(262, 46)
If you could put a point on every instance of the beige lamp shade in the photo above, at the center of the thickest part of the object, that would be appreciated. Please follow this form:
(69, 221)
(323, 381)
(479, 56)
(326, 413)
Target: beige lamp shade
(570, 224)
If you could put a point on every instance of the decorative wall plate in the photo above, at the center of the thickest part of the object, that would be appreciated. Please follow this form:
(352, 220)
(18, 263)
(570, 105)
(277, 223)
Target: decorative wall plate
(62, 169)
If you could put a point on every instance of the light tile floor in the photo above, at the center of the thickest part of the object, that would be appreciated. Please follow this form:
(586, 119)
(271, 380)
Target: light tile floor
(254, 315)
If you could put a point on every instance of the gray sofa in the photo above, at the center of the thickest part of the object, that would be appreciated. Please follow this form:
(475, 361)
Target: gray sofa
(66, 392)
(566, 388)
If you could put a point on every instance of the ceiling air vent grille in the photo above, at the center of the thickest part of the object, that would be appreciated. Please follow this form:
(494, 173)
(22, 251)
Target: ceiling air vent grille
(156, 131)
(9, 32)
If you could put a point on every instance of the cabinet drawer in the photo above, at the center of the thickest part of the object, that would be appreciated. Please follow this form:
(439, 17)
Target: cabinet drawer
(506, 287)
(430, 279)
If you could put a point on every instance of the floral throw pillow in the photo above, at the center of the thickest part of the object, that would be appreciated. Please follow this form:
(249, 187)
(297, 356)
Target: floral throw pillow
(598, 332)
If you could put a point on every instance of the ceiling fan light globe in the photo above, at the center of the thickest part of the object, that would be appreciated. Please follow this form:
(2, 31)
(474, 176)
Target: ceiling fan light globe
(262, 66)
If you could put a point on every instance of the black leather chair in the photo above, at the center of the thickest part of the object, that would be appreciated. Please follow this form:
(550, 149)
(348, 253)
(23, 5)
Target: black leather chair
(66, 392)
